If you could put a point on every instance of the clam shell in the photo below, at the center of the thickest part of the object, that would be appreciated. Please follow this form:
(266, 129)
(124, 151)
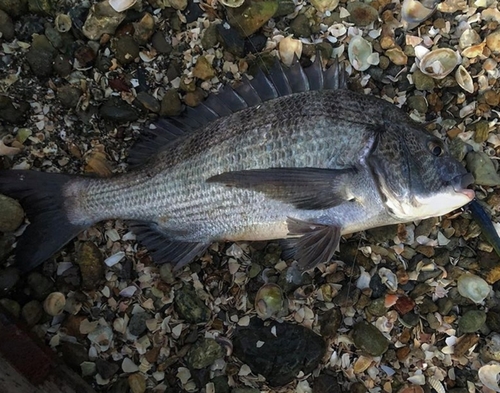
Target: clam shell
(232, 3)
(414, 12)
(439, 62)
(289, 48)
(464, 79)
(62, 23)
(489, 375)
(360, 53)
(473, 287)
(121, 5)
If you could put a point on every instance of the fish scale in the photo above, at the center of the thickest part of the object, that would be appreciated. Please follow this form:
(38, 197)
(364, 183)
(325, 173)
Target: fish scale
(313, 164)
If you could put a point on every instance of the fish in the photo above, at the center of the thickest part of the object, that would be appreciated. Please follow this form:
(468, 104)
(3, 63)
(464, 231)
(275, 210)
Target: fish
(291, 154)
(485, 223)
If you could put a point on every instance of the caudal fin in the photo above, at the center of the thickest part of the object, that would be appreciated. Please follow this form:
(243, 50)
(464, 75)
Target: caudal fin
(41, 195)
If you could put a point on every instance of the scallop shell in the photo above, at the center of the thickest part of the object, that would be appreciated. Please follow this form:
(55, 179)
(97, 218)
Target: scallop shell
(360, 53)
(121, 5)
(414, 12)
(62, 23)
(464, 79)
(489, 375)
(289, 48)
(439, 62)
(54, 303)
(232, 3)
(436, 384)
(473, 287)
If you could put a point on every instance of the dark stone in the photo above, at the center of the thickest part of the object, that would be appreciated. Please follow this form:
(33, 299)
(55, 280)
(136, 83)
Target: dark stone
(137, 324)
(326, 383)
(190, 306)
(106, 369)
(40, 60)
(40, 285)
(377, 287)
(11, 113)
(6, 26)
(8, 279)
(148, 102)
(14, 8)
(221, 384)
(369, 339)
(204, 353)
(231, 40)
(192, 11)
(348, 296)
(118, 111)
(300, 26)
(126, 49)
(62, 65)
(255, 43)
(69, 96)
(287, 349)
(85, 55)
(285, 7)
(74, 354)
(160, 43)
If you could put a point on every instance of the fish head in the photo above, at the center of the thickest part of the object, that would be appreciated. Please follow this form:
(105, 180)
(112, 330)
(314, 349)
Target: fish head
(416, 175)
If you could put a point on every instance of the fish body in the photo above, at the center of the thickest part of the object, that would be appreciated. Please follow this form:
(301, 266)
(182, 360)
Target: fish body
(283, 156)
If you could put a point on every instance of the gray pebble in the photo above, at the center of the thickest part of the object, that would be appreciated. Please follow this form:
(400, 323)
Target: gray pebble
(12, 214)
(472, 321)
(40, 285)
(137, 324)
(369, 339)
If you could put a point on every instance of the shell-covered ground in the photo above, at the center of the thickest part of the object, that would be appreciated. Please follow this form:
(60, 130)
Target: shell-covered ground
(412, 307)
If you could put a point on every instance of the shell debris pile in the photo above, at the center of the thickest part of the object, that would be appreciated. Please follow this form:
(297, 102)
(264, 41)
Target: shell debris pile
(400, 308)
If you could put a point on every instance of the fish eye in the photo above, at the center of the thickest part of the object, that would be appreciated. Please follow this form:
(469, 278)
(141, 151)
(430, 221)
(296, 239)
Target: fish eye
(435, 148)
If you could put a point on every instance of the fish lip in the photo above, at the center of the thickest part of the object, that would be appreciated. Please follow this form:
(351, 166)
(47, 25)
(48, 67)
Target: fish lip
(461, 182)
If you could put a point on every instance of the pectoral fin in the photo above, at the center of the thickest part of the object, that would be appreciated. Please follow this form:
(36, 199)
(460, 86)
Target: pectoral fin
(305, 188)
(317, 242)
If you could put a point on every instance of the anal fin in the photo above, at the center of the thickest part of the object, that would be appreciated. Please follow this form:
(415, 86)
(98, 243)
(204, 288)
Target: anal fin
(163, 248)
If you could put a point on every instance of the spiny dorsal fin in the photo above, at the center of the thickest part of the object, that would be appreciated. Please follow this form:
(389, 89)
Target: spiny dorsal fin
(279, 81)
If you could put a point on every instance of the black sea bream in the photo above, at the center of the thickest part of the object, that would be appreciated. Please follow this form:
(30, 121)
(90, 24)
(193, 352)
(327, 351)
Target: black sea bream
(293, 154)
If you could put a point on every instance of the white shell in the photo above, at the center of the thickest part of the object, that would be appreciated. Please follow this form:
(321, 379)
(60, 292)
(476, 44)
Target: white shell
(232, 3)
(360, 51)
(102, 337)
(62, 23)
(389, 278)
(473, 287)
(121, 5)
(464, 79)
(414, 12)
(54, 303)
(288, 48)
(489, 375)
(439, 62)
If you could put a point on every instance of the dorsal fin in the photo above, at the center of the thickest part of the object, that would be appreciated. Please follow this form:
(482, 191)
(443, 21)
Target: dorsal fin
(279, 81)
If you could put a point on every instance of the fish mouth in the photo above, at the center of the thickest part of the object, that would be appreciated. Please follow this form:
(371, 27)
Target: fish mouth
(460, 184)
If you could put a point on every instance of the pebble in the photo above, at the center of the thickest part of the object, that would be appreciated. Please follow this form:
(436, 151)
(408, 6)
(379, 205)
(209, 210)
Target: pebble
(161, 44)
(251, 16)
(481, 131)
(369, 339)
(14, 8)
(293, 348)
(62, 65)
(285, 7)
(12, 114)
(348, 296)
(204, 353)
(8, 279)
(137, 324)
(203, 69)
(40, 285)
(493, 321)
(106, 369)
(423, 82)
(137, 383)
(148, 101)
(231, 40)
(377, 307)
(193, 11)
(117, 110)
(32, 312)
(493, 41)
(85, 55)
(11, 306)
(491, 351)
(472, 321)
(101, 19)
(126, 49)
(194, 98)
(92, 267)
(221, 384)
(144, 29)
(12, 214)
(40, 56)
(326, 383)
(483, 169)
(418, 103)
(171, 104)
(300, 26)
(69, 96)
(189, 305)
(255, 43)
(209, 39)
(6, 26)
(362, 14)
(330, 323)
(245, 390)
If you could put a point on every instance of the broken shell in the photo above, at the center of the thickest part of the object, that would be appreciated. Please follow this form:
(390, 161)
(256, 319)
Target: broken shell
(469, 37)
(62, 23)
(325, 5)
(414, 12)
(232, 3)
(473, 287)
(489, 375)
(269, 301)
(464, 79)
(54, 303)
(360, 53)
(288, 49)
(122, 5)
(389, 278)
(474, 50)
(102, 337)
(439, 62)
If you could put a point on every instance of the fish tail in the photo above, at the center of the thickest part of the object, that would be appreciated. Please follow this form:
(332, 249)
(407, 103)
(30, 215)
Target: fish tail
(42, 197)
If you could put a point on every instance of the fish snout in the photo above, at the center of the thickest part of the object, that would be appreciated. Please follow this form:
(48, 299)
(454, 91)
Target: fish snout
(461, 182)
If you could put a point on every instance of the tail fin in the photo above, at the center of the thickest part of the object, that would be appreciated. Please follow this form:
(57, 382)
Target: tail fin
(42, 197)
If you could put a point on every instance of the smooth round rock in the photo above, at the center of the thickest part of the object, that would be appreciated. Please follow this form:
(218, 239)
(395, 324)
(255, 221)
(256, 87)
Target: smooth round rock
(369, 339)
(12, 214)
(362, 14)
(472, 321)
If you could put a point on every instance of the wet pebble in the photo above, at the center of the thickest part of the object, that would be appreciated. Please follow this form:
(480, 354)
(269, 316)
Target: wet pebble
(171, 104)
(91, 262)
(204, 353)
(144, 29)
(418, 103)
(85, 55)
(106, 369)
(69, 96)
(32, 312)
(377, 307)
(148, 102)
(209, 39)
(369, 339)
(117, 110)
(293, 348)
(472, 321)
(12, 214)
(40, 56)
(423, 82)
(445, 305)
(40, 285)
(251, 16)
(300, 26)
(203, 69)
(483, 169)
(137, 383)
(137, 324)
(361, 14)
(126, 49)
(190, 306)
(8, 279)
(6, 26)
(160, 43)
(348, 296)
(194, 98)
